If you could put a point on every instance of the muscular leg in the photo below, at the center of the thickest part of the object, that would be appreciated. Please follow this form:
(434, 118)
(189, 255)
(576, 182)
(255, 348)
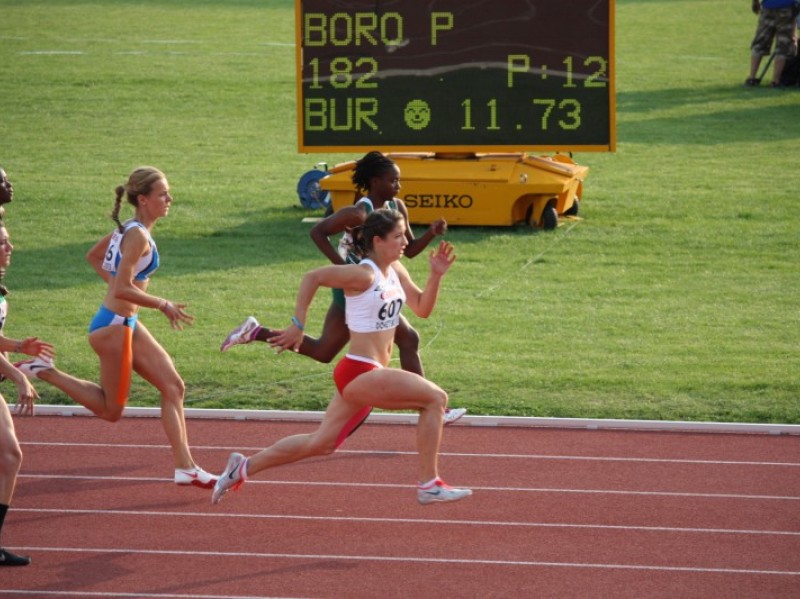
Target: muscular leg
(10, 454)
(298, 447)
(407, 340)
(780, 63)
(755, 62)
(10, 461)
(401, 390)
(106, 400)
(154, 365)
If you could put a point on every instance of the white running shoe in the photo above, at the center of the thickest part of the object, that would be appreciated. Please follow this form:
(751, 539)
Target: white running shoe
(241, 334)
(31, 368)
(441, 491)
(232, 478)
(196, 477)
(453, 414)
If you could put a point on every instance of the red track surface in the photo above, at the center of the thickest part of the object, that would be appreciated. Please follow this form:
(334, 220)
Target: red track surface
(556, 513)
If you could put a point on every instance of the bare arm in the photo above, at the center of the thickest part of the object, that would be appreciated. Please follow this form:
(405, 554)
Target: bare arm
(32, 346)
(26, 393)
(416, 245)
(350, 277)
(134, 245)
(423, 301)
(96, 255)
(338, 222)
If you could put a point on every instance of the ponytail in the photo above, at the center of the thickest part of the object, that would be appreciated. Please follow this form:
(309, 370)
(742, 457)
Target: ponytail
(140, 182)
(120, 190)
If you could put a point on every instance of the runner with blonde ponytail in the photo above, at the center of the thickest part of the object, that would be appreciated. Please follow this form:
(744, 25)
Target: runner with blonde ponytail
(125, 259)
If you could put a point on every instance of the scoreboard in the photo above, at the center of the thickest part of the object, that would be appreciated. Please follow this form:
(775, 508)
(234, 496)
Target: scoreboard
(455, 75)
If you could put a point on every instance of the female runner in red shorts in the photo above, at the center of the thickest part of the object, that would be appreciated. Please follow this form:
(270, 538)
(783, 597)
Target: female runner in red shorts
(376, 289)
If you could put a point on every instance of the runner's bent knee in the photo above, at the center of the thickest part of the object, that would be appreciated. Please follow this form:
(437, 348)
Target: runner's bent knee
(324, 446)
(437, 398)
(11, 460)
(173, 391)
(114, 413)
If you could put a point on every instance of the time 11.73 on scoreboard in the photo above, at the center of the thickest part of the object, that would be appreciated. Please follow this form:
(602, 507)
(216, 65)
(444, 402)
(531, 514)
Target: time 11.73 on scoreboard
(455, 75)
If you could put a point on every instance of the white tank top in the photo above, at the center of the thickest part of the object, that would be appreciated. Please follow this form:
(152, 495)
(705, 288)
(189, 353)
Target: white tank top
(377, 308)
(3, 312)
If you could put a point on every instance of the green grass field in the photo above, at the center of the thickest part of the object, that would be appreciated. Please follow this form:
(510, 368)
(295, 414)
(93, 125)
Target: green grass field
(674, 297)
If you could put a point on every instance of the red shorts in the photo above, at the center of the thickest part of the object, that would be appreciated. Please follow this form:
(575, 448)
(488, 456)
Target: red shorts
(349, 368)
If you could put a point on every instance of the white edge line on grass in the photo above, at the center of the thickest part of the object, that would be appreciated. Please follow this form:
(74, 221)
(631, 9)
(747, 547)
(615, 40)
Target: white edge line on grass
(51, 53)
(412, 559)
(422, 521)
(487, 421)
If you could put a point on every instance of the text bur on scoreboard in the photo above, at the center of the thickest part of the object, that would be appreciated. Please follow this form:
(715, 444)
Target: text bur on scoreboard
(455, 75)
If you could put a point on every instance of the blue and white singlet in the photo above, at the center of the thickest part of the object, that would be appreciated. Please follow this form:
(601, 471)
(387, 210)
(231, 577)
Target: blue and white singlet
(145, 266)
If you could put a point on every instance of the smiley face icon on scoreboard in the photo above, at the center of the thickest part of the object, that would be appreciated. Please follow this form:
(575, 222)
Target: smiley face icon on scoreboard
(417, 114)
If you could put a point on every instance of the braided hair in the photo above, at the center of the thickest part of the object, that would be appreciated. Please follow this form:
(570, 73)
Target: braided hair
(373, 164)
(140, 182)
(3, 288)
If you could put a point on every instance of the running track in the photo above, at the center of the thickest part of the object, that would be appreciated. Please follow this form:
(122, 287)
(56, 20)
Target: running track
(556, 513)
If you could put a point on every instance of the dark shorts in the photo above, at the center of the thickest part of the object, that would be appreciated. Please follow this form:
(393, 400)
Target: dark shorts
(777, 24)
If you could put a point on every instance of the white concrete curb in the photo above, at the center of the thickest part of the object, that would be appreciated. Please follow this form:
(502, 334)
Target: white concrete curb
(405, 418)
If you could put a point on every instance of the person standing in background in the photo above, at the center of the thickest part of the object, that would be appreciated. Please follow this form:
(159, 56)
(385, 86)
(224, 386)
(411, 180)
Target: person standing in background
(776, 21)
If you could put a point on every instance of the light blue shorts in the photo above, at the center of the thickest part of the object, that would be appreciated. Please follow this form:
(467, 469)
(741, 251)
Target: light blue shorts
(106, 317)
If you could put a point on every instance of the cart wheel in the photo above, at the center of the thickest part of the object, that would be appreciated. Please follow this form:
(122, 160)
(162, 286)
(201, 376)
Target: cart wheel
(573, 210)
(549, 218)
(310, 194)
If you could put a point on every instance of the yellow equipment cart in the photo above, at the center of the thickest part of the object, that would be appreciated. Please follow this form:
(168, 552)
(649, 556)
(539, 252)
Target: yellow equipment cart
(476, 189)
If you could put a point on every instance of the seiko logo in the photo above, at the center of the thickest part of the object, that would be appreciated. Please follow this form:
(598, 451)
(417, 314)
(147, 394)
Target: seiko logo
(431, 200)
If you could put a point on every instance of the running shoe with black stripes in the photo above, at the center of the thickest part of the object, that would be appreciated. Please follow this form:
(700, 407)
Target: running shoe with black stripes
(439, 491)
(31, 368)
(232, 478)
(242, 334)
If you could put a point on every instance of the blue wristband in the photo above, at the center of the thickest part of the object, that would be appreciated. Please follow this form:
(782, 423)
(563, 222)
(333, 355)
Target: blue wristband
(296, 322)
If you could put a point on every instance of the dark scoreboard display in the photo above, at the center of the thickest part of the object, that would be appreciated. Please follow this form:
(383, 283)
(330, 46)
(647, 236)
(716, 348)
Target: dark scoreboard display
(455, 75)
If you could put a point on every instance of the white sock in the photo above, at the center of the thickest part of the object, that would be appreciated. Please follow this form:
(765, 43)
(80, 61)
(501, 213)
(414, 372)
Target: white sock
(429, 484)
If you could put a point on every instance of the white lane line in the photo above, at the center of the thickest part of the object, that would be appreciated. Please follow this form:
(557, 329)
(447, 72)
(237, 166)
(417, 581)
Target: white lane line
(502, 456)
(51, 53)
(402, 486)
(84, 594)
(423, 521)
(410, 559)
